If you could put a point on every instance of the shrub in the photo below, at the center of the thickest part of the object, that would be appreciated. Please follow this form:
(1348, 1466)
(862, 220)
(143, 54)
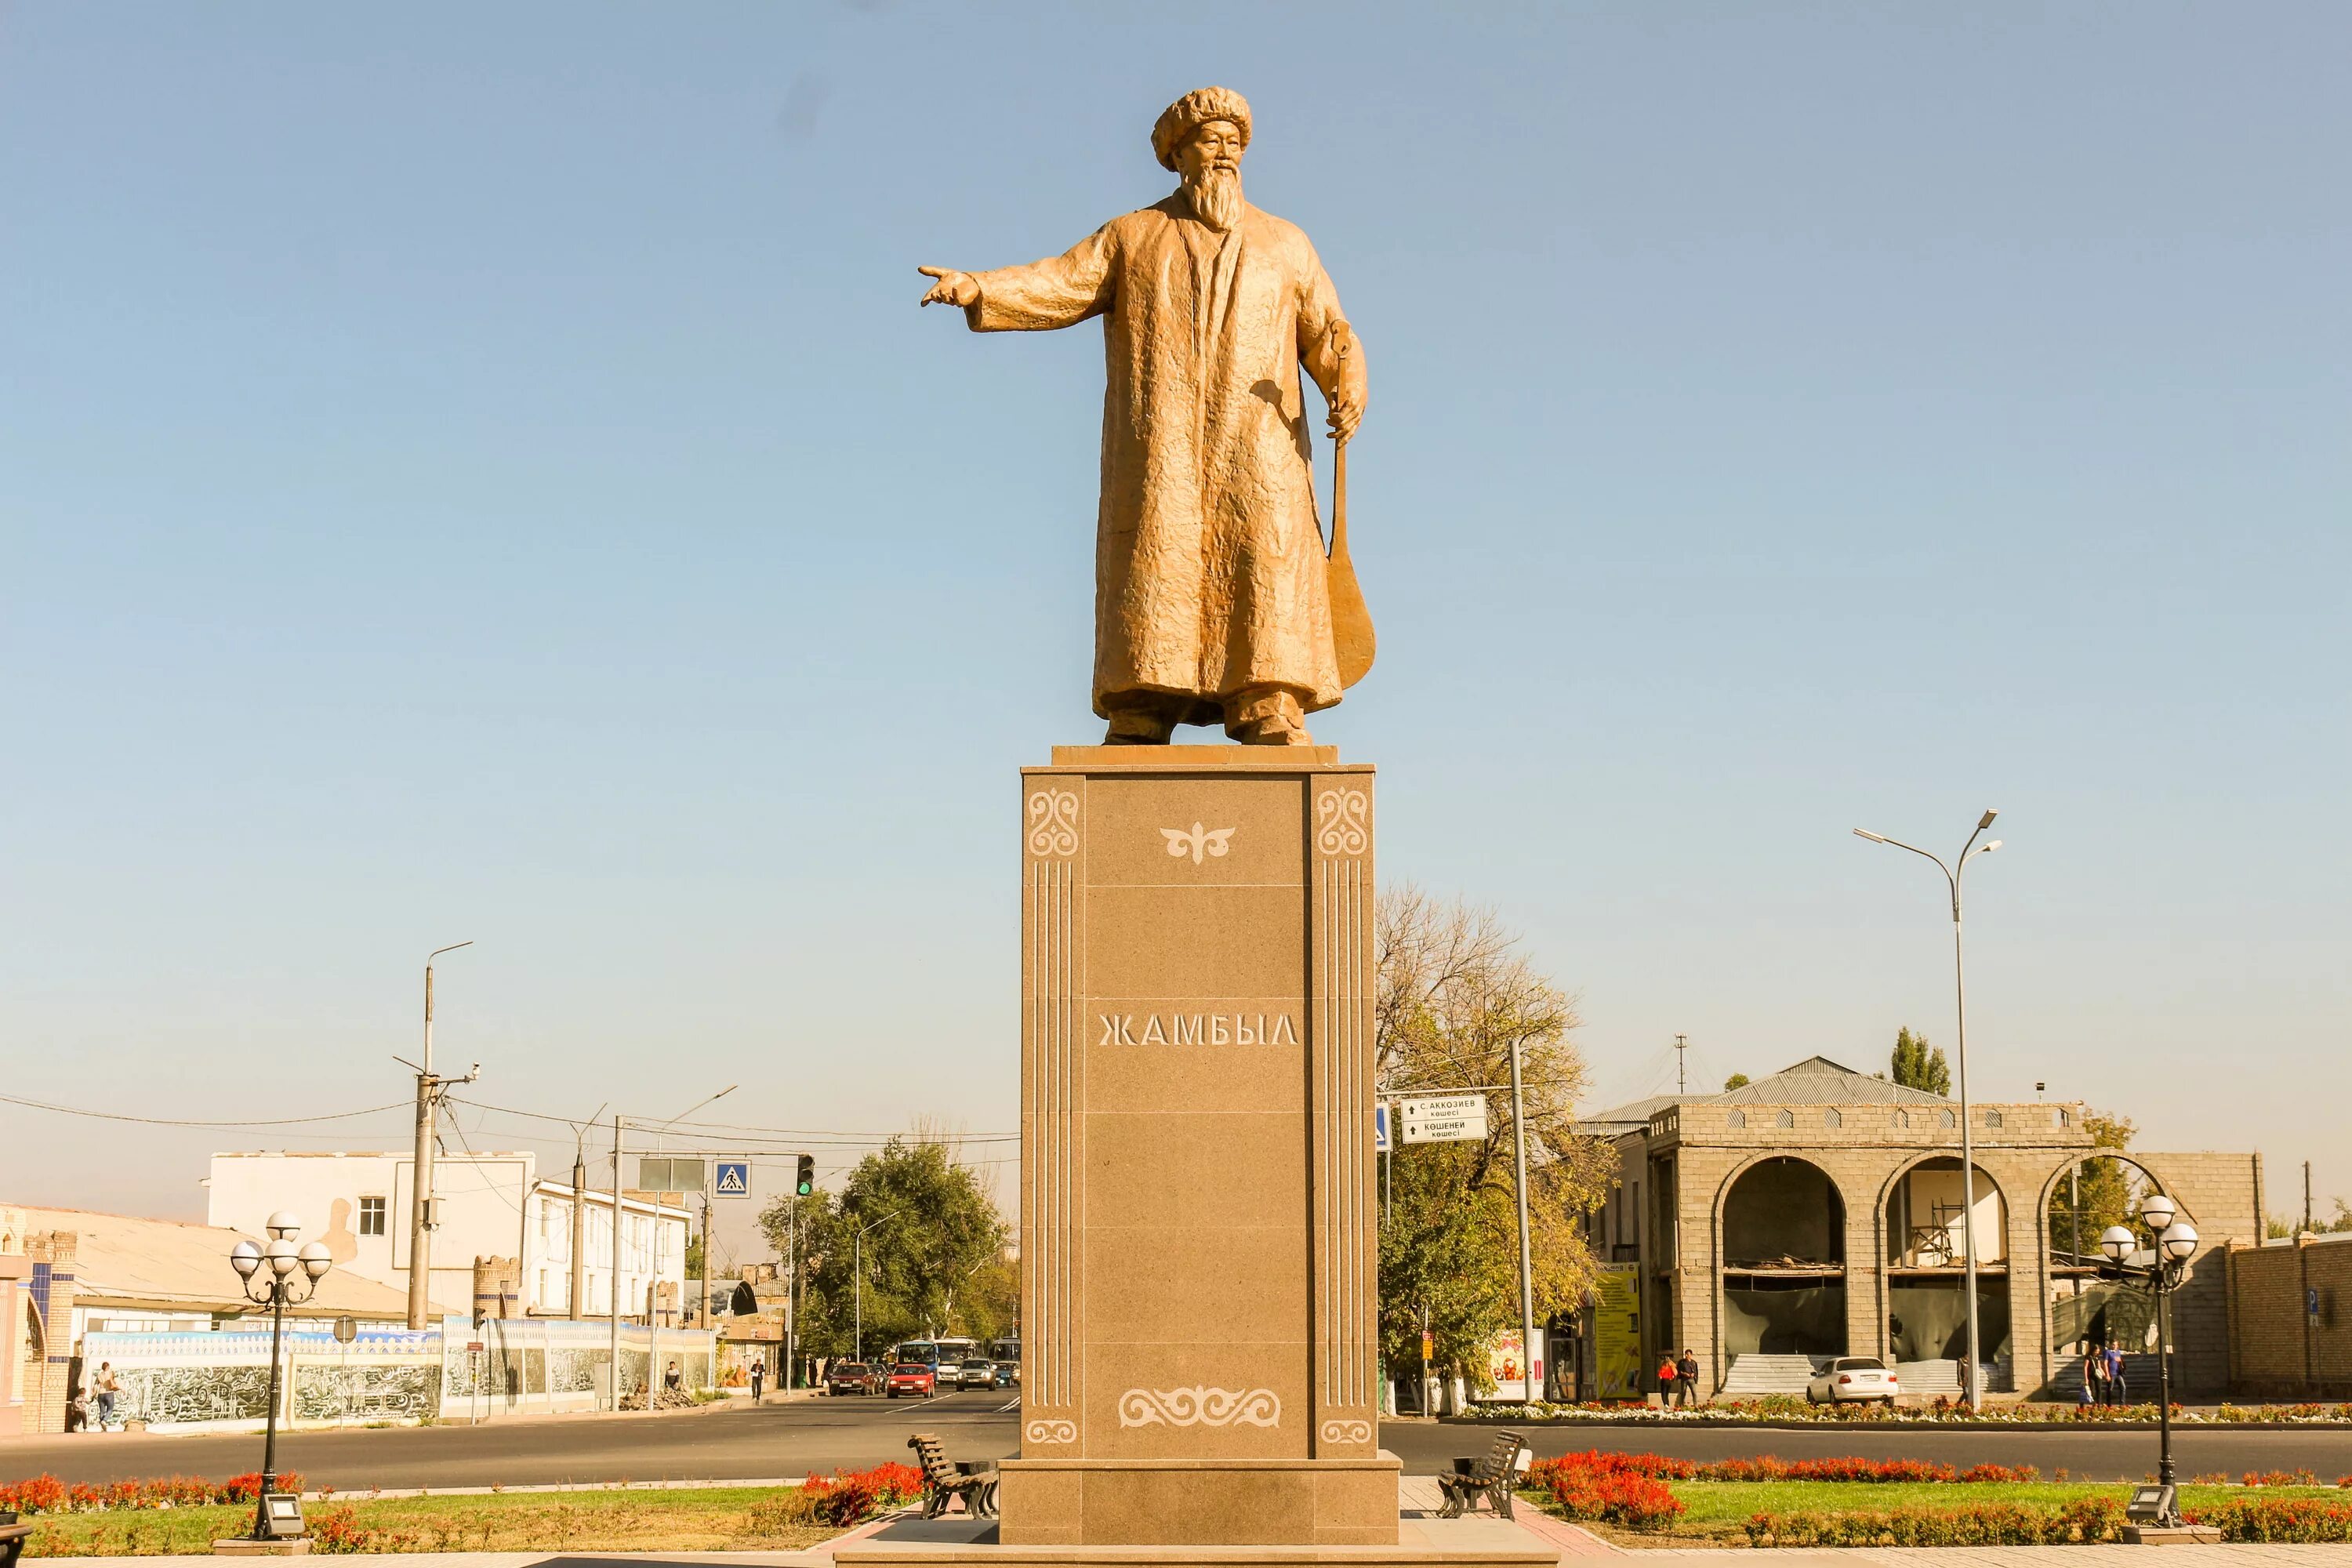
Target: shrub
(2278, 1518)
(2086, 1521)
(338, 1529)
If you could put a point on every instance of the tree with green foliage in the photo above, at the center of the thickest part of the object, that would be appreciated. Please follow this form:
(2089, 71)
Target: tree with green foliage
(2103, 1191)
(1919, 1065)
(1737, 1081)
(1454, 995)
(933, 1251)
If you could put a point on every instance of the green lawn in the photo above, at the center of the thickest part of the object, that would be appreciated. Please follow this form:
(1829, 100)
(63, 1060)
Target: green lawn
(1717, 1509)
(707, 1519)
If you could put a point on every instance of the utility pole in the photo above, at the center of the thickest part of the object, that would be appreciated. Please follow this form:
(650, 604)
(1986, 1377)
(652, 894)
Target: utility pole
(2306, 1195)
(420, 1196)
(1527, 1254)
(613, 1297)
(1682, 1044)
(578, 1293)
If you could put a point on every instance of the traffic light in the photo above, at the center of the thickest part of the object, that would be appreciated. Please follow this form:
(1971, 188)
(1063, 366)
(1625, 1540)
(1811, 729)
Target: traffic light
(807, 1182)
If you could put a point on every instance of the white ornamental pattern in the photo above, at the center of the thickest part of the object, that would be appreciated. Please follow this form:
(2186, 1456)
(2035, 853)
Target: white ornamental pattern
(1053, 1432)
(1213, 839)
(1346, 1431)
(1053, 824)
(1200, 1406)
(1343, 822)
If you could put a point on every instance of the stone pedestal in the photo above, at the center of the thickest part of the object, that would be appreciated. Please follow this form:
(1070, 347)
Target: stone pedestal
(1197, 1227)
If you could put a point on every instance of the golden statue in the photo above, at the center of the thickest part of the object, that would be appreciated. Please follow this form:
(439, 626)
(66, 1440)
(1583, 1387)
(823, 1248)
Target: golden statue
(1214, 600)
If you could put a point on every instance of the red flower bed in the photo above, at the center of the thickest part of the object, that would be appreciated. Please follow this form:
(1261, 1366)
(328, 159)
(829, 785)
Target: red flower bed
(46, 1494)
(1767, 1468)
(853, 1497)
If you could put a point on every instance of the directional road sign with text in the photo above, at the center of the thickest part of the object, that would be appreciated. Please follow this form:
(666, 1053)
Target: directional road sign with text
(1443, 1118)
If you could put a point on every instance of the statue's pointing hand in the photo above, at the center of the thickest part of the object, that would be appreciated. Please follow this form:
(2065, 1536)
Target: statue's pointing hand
(954, 288)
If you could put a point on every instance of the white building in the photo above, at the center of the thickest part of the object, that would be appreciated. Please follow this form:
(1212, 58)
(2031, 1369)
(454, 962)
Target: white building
(489, 1205)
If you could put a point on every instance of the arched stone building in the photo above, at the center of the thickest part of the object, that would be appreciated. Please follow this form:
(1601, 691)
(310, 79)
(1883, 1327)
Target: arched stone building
(1819, 1212)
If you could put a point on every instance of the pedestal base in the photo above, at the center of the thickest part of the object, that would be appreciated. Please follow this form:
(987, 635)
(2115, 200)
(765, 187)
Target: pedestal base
(1198, 1502)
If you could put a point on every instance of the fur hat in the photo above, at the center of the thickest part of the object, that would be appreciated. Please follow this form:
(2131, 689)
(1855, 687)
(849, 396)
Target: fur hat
(1191, 112)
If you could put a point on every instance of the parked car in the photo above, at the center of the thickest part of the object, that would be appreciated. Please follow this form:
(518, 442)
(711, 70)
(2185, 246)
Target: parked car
(1008, 1374)
(852, 1377)
(977, 1373)
(911, 1377)
(1852, 1377)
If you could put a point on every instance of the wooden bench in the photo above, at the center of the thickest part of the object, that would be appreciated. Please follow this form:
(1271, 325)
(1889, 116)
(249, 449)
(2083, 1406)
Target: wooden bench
(13, 1537)
(1492, 1477)
(944, 1480)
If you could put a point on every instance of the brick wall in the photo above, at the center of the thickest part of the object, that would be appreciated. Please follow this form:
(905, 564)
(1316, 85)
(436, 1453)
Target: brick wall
(2278, 1349)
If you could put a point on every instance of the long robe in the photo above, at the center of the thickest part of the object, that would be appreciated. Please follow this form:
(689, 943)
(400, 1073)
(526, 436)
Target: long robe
(1209, 563)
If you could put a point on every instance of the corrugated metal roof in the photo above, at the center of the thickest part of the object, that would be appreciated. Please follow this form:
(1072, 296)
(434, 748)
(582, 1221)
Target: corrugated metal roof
(1816, 1080)
(169, 1262)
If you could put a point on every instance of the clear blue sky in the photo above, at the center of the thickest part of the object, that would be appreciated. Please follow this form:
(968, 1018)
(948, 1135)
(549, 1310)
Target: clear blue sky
(480, 471)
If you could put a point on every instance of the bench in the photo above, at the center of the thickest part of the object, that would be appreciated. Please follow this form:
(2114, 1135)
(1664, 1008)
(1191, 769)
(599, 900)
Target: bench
(1492, 1477)
(13, 1537)
(944, 1480)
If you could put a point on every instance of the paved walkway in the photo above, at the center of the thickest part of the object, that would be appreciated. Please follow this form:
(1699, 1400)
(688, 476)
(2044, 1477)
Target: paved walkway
(1418, 1500)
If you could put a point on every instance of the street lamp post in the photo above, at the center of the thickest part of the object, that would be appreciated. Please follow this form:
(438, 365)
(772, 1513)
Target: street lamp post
(2176, 1242)
(613, 1296)
(1971, 1375)
(268, 1276)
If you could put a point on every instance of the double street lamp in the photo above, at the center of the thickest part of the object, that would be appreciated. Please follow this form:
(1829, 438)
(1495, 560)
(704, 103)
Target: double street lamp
(270, 1277)
(2176, 1243)
(1972, 1374)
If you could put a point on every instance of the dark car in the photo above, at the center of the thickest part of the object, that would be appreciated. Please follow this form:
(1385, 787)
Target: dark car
(911, 1377)
(851, 1377)
(1008, 1374)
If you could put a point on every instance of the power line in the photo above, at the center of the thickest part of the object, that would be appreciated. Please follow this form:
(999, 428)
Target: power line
(178, 1121)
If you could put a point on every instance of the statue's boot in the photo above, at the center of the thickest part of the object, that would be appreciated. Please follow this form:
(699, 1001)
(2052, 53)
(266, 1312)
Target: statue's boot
(1146, 724)
(1267, 716)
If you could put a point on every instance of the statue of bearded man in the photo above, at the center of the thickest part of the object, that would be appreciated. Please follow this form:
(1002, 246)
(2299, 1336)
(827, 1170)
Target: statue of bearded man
(1211, 603)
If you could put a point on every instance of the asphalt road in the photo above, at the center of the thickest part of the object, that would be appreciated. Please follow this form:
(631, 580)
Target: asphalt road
(738, 1442)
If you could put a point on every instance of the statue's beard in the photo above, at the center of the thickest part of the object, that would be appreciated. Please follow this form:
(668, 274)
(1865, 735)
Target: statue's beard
(1216, 197)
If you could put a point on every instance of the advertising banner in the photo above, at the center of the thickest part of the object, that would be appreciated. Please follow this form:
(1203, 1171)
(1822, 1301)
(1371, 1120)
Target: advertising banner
(1617, 1332)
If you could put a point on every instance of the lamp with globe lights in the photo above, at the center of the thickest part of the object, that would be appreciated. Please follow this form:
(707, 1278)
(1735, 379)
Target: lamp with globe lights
(277, 1276)
(2166, 1262)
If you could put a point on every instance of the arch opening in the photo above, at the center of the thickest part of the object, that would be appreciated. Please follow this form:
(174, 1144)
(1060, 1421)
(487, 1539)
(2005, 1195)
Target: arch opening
(1784, 1261)
(2087, 1312)
(1929, 1224)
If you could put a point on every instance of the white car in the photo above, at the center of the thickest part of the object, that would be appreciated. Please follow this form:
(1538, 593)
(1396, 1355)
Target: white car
(1850, 1377)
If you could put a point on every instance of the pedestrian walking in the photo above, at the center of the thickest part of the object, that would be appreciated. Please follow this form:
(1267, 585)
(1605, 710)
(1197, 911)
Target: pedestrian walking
(759, 1377)
(2114, 1364)
(1668, 1375)
(2089, 1392)
(107, 1386)
(1686, 1377)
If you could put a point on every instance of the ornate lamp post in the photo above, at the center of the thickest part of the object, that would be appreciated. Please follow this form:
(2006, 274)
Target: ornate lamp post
(2176, 1242)
(269, 1282)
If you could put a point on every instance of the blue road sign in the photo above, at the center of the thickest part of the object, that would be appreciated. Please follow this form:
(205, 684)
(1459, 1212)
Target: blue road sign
(1380, 1128)
(734, 1178)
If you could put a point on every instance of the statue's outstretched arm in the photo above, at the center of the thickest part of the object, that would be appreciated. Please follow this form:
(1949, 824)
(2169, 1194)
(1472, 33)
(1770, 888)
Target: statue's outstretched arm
(1059, 291)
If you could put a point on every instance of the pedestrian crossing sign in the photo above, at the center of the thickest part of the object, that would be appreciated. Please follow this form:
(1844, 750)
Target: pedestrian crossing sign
(734, 1178)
